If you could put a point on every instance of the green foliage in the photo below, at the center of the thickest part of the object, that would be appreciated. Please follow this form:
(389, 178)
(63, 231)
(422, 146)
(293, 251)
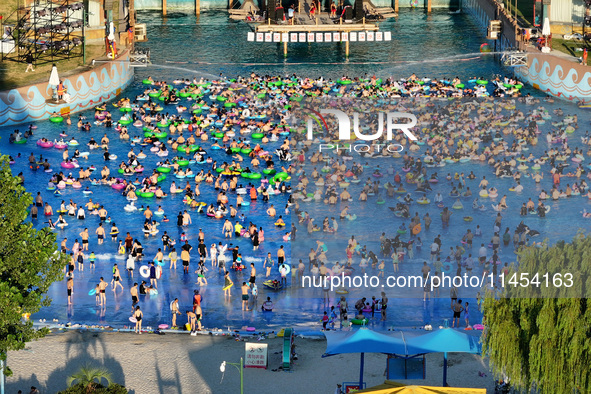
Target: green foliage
(29, 264)
(96, 388)
(88, 375)
(538, 336)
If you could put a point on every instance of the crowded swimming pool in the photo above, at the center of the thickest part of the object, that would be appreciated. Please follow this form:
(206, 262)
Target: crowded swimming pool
(300, 307)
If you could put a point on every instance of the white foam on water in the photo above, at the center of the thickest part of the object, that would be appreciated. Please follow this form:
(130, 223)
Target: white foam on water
(110, 256)
(250, 259)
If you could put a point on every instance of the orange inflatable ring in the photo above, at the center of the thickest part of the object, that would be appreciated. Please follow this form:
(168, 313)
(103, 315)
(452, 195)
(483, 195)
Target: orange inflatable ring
(416, 229)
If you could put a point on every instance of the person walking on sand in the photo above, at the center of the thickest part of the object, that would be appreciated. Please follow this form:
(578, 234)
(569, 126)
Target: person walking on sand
(138, 314)
(103, 297)
(245, 296)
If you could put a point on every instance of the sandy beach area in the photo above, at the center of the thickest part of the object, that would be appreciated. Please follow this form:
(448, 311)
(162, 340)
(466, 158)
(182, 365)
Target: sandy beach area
(179, 363)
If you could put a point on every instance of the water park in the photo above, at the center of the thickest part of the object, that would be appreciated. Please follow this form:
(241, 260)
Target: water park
(301, 178)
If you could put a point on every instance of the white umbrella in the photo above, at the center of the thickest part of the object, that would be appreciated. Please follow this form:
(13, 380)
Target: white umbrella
(54, 78)
(111, 36)
(546, 27)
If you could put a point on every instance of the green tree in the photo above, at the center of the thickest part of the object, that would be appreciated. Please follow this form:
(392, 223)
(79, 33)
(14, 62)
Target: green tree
(538, 333)
(89, 377)
(29, 264)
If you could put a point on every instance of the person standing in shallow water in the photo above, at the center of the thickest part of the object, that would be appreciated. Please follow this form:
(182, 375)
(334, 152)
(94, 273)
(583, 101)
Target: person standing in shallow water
(138, 314)
(384, 303)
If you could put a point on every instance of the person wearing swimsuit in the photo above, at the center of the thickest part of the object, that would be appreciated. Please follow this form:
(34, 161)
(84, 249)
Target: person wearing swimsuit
(138, 314)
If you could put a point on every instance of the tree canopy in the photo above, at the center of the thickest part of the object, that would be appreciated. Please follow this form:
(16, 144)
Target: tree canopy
(29, 264)
(539, 335)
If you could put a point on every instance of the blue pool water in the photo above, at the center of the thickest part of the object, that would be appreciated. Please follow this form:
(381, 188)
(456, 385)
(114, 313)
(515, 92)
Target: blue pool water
(435, 45)
(448, 47)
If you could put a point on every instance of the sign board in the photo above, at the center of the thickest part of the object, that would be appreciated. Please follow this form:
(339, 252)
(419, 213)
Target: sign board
(250, 36)
(284, 37)
(353, 36)
(319, 37)
(379, 36)
(345, 36)
(336, 37)
(361, 36)
(311, 37)
(255, 355)
(387, 36)
(327, 37)
(260, 37)
(293, 37)
(302, 37)
(268, 37)
(370, 36)
(276, 37)
(350, 387)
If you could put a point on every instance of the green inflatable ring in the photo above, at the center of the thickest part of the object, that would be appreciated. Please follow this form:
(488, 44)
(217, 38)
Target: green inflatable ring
(257, 136)
(221, 98)
(359, 322)
(269, 171)
(147, 82)
(255, 175)
(182, 163)
(246, 151)
(154, 94)
(161, 178)
(164, 170)
(344, 82)
(124, 122)
(56, 119)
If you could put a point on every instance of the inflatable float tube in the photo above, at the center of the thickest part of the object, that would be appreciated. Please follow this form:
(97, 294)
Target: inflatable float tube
(269, 284)
(164, 170)
(145, 271)
(92, 292)
(56, 119)
(147, 82)
(468, 218)
(47, 144)
(257, 135)
(401, 231)
(359, 322)
(144, 194)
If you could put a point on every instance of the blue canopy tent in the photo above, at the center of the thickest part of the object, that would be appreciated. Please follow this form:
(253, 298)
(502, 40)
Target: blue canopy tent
(445, 341)
(364, 341)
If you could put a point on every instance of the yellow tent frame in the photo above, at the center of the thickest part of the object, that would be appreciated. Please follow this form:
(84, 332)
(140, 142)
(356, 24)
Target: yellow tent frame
(391, 387)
